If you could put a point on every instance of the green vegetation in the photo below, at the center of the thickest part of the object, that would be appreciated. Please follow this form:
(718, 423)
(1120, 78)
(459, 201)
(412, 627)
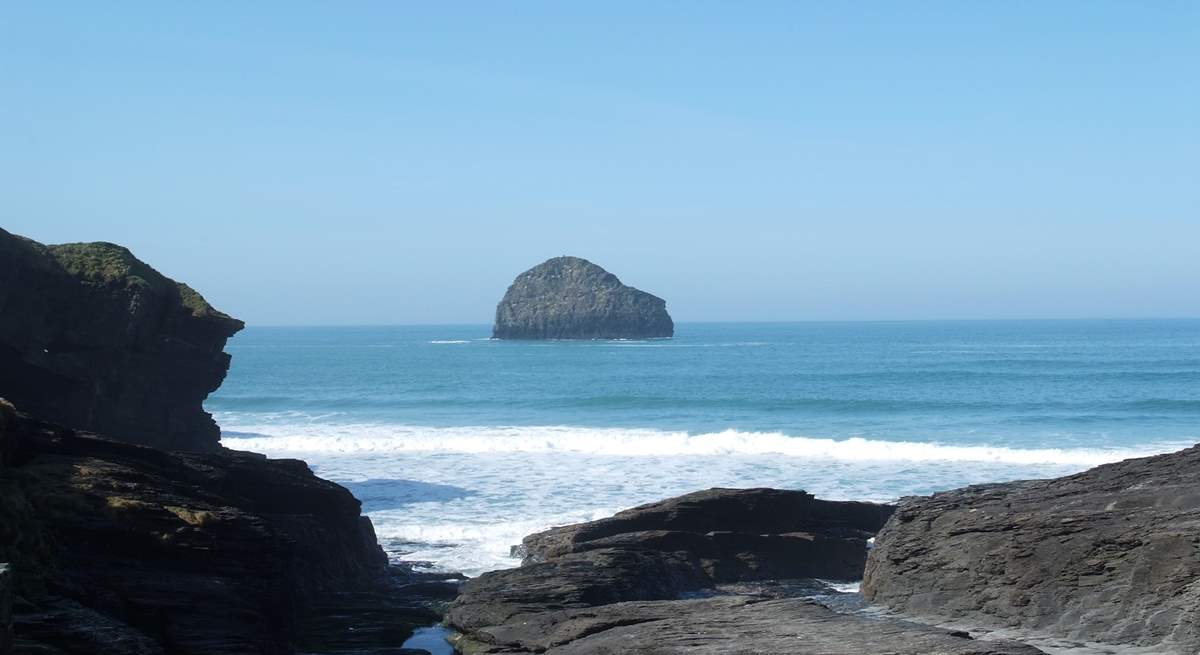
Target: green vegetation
(107, 263)
(195, 302)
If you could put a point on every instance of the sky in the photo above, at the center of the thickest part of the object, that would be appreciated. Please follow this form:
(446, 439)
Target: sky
(400, 162)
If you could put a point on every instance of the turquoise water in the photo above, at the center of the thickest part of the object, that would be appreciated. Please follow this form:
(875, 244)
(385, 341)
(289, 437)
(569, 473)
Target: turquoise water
(459, 445)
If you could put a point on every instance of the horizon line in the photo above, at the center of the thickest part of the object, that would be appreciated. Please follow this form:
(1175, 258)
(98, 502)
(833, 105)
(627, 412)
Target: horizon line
(768, 322)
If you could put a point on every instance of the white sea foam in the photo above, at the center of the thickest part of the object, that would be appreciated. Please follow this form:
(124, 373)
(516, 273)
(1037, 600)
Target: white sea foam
(366, 438)
(460, 497)
(449, 341)
(466, 546)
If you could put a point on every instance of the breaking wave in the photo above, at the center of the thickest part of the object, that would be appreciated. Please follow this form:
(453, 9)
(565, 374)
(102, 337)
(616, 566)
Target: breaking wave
(620, 442)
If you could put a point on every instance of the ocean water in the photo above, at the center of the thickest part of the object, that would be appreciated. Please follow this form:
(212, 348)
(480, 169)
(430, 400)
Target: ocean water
(459, 445)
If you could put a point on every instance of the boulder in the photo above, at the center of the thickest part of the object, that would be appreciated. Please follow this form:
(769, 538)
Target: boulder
(95, 339)
(572, 298)
(733, 534)
(1109, 555)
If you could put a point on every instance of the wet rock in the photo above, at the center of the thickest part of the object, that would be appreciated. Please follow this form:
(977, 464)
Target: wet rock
(572, 298)
(1109, 555)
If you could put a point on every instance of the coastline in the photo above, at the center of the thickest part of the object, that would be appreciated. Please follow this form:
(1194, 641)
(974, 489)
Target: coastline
(463, 509)
(954, 572)
(129, 529)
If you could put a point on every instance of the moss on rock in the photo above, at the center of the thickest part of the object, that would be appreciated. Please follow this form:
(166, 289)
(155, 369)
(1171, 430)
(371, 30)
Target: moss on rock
(106, 263)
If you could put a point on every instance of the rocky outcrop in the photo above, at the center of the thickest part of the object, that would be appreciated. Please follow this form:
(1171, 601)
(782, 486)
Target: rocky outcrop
(95, 339)
(572, 298)
(1109, 555)
(695, 574)
(184, 547)
(124, 549)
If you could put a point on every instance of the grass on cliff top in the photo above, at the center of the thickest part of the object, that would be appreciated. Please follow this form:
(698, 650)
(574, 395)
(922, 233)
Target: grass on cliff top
(106, 263)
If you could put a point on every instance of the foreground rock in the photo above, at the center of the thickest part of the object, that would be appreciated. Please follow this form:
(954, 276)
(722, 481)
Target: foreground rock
(572, 298)
(118, 548)
(672, 577)
(1109, 555)
(5, 608)
(95, 339)
(740, 624)
(733, 534)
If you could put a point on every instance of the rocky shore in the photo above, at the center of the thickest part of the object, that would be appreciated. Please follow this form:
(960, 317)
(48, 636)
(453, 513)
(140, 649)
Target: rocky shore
(1108, 560)
(124, 527)
(572, 298)
(717, 571)
(1109, 555)
(119, 548)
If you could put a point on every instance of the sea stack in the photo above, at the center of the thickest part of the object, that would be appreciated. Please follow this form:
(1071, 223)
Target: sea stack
(572, 298)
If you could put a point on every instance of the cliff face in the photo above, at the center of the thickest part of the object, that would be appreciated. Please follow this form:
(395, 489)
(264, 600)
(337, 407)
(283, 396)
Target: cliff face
(95, 339)
(180, 548)
(572, 298)
(1109, 555)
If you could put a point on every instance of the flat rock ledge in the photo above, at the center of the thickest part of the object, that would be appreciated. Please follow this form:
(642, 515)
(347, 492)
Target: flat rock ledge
(723, 625)
(1110, 555)
(701, 573)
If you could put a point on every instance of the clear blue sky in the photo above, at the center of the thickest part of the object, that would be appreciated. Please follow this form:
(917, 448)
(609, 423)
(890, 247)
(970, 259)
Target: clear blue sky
(391, 162)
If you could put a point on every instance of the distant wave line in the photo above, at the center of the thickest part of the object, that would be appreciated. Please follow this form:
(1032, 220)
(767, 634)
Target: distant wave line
(276, 439)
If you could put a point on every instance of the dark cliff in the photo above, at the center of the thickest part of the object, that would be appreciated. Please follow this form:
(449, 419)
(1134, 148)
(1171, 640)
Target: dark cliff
(572, 298)
(1108, 555)
(95, 339)
(183, 547)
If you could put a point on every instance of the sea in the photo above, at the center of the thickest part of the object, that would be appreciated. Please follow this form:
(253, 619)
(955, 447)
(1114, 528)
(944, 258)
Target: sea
(459, 445)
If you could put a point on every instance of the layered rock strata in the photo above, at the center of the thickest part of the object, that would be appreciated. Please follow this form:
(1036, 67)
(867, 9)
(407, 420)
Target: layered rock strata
(1109, 555)
(119, 548)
